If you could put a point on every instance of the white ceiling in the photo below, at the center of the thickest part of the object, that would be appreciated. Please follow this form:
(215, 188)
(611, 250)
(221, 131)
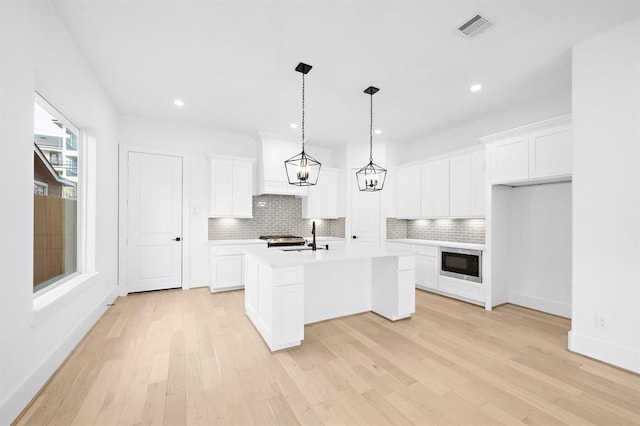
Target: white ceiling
(232, 61)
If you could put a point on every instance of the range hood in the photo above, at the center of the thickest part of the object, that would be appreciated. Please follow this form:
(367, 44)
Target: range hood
(271, 177)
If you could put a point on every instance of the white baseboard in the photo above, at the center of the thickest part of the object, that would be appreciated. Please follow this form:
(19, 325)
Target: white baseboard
(619, 356)
(549, 306)
(15, 402)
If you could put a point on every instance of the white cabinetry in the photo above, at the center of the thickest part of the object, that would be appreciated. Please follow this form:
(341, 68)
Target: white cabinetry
(467, 185)
(449, 187)
(393, 293)
(274, 301)
(460, 186)
(550, 152)
(227, 268)
(231, 188)
(478, 184)
(322, 201)
(434, 189)
(427, 267)
(409, 192)
(539, 153)
(510, 160)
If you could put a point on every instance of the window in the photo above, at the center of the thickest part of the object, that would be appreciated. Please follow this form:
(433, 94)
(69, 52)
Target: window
(55, 198)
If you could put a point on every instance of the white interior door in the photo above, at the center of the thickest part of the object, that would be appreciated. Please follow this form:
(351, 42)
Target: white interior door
(365, 215)
(154, 247)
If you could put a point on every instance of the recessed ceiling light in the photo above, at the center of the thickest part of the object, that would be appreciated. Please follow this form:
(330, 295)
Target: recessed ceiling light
(178, 102)
(476, 88)
(293, 125)
(378, 131)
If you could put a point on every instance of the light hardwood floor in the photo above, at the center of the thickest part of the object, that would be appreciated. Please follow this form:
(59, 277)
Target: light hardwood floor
(190, 357)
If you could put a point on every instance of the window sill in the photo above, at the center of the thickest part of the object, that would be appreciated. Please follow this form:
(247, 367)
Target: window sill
(46, 303)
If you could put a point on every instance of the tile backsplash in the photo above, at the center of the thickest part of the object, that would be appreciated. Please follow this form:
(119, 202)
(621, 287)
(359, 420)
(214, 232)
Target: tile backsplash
(273, 215)
(458, 230)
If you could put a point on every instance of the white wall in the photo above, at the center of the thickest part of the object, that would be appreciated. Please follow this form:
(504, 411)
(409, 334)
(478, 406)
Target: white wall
(36, 52)
(606, 196)
(540, 247)
(468, 134)
(196, 145)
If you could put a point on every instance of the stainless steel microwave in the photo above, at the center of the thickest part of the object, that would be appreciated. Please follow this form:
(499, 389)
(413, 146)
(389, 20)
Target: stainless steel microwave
(463, 264)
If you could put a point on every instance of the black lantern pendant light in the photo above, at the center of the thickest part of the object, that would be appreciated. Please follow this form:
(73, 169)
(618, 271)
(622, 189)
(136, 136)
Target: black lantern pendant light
(302, 169)
(371, 177)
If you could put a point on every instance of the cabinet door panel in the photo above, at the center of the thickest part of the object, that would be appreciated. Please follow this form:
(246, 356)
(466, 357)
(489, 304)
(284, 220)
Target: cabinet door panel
(478, 184)
(460, 186)
(409, 192)
(428, 190)
(550, 153)
(510, 160)
(242, 204)
(221, 188)
(442, 188)
(406, 292)
(227, 271)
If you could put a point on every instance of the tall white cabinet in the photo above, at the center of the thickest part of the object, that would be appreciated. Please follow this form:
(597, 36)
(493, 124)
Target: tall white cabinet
(231, 188)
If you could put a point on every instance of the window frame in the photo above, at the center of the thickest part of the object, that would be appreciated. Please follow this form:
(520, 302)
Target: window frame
(43, 296)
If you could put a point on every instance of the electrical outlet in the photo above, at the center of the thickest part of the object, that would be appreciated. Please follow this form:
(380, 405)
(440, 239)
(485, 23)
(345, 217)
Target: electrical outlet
(602, 321)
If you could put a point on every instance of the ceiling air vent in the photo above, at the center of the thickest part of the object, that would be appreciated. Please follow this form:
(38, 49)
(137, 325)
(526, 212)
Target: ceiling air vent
(474, 26)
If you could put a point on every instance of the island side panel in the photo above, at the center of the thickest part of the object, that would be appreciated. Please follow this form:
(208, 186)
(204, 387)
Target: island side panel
(336, 289)
(274, 302)
(393, 287)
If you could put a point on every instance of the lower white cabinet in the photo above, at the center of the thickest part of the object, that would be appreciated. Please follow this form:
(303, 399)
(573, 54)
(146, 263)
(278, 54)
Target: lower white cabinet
(467, 290)
(406, 287)
(227, 268)
(427, 268)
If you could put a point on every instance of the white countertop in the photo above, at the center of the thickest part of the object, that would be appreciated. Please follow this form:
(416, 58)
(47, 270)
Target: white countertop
(276, 257)
(258, 241)
(236, 242)
(451, 244)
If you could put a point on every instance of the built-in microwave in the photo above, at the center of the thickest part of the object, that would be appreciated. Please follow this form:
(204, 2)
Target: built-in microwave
(463, 264)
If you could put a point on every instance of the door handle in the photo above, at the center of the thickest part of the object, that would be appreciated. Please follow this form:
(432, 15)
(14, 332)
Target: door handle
(354, 237)
(176, 239)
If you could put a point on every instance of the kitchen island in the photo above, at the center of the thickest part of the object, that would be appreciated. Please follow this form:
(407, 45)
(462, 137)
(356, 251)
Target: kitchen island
(286, 289)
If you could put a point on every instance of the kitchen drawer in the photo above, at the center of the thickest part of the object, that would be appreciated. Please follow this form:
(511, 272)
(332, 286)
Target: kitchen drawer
(425, 250)
(468, 290)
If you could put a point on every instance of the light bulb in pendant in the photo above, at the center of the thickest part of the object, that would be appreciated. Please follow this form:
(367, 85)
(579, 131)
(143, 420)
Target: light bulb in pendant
(303, 173)
(371, 180)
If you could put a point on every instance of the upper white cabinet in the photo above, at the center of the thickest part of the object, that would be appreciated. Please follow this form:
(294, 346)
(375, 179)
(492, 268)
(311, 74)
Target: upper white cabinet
(467, 185)
(550, 152)
(478, 184)
(536, 153)
(231, 188)
(511, 159)
(452, 187)
(434, 189)
(323, 199)
(460, 186)
(409, 192)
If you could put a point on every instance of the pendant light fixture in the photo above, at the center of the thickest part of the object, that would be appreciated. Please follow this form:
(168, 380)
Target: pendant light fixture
(302, 169)
(371, 177)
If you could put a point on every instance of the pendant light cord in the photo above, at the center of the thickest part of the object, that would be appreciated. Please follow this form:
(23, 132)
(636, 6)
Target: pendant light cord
(302, 112)
(371, 132)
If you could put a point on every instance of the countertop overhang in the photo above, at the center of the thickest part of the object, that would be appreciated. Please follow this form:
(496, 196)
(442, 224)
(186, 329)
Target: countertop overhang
(275, 257)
